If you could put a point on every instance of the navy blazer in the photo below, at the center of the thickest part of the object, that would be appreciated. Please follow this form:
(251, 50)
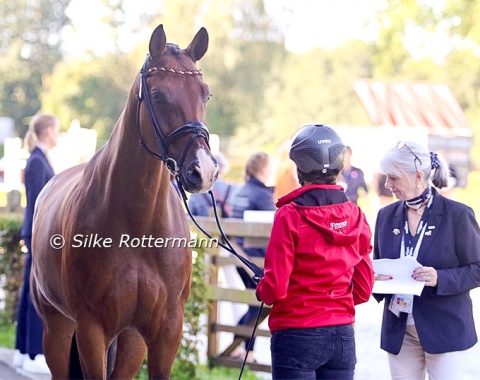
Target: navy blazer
(443, 314)
(37, 173)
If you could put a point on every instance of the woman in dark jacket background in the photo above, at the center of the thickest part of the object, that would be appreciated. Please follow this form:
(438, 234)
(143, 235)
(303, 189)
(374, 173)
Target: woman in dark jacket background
(42, 135)
(253, 195)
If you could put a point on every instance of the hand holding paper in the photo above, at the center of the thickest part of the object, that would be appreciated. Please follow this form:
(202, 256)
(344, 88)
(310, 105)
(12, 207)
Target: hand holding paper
(401, 272)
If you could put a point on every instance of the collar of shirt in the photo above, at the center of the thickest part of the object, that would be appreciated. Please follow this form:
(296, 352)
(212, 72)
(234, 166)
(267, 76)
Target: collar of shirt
(42, 147)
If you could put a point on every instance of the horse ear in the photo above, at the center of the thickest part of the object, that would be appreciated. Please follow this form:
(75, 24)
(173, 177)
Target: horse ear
(158, 41)
(199, 45)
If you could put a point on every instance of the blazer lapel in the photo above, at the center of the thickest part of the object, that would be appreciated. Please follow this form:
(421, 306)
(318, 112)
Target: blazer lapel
(398, 224)
(434, 220)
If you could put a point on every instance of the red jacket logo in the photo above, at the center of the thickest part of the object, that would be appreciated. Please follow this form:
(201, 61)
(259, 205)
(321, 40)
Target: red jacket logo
(338, 225)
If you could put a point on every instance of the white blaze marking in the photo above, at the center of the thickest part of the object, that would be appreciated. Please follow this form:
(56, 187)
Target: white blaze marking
(207, 169)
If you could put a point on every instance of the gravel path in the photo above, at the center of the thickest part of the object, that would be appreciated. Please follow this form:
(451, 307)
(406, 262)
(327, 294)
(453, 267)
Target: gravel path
(372, 362)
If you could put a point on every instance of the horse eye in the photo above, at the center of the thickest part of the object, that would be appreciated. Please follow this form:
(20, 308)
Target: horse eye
(159, 97)
(209, 97)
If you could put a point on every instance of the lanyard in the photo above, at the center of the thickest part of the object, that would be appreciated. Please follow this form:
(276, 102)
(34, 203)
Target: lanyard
(411, 244)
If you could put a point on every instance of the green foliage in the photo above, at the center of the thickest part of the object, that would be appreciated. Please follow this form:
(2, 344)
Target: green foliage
(196, 306)
(7, 335)
(11, 265)
(463, 16)
(316, 87)
(29, 49)
(95, 92)
(244, 54)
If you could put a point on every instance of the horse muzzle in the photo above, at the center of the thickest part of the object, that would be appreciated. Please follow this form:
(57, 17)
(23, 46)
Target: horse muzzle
(200, 174)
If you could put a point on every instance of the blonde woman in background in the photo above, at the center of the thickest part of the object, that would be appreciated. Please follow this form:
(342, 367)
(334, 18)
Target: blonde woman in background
(285, 173)
(254, 194)
(42, 135)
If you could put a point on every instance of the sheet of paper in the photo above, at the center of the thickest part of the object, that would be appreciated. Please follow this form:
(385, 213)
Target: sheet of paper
(401, 271)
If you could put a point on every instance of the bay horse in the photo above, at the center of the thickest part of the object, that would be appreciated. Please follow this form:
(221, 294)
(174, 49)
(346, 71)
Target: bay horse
(110, 263)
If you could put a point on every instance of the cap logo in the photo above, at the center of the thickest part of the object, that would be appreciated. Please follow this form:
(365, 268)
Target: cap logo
(325, 141)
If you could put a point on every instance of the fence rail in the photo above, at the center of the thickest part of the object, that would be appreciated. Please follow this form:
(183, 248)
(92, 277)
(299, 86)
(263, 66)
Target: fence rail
(254, 234)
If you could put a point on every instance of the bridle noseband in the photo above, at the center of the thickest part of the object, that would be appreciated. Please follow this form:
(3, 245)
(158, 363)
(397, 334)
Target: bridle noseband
(196, 128)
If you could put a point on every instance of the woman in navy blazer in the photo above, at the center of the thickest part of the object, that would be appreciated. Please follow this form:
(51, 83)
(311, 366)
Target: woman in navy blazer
(430, 332)
(41, 136)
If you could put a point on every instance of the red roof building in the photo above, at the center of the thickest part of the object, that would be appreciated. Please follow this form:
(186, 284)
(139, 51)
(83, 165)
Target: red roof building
(422, 104)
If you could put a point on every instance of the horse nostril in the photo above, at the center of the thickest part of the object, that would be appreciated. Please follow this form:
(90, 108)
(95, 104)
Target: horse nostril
(194, 175)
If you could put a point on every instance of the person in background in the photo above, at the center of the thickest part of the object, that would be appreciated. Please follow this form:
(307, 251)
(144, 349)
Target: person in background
(317, 265)
(42, 135)
(353, 177)
(429, 333)
(285, 172)
(201, 204)
(385, 195)
(252, 195)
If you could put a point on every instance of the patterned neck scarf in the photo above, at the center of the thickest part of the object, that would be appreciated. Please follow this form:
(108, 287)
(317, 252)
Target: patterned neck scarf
(417, 202)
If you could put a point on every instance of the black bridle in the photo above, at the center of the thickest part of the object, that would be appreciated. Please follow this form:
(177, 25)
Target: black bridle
(195, 128)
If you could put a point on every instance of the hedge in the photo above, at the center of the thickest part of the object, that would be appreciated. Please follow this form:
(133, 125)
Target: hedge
(12, 252)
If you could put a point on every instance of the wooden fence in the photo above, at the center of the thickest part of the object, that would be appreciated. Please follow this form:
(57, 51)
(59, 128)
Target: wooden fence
(255, 234)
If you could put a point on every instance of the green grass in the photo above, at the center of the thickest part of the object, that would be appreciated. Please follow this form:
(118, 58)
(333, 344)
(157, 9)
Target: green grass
(204, 373)
(7, 336)
(220, 373)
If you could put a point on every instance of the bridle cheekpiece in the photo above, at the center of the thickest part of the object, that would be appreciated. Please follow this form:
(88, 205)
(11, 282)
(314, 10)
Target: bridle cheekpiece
(197, 128)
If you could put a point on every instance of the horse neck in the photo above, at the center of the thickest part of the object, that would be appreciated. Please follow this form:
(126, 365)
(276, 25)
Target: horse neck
(132, 172)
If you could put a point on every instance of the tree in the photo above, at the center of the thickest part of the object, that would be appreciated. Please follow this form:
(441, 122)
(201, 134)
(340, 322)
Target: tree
(316, 87)
(463, 15)
(247, 59)
(94, 92)
(459, 68)
(30, 46)
(243, 50)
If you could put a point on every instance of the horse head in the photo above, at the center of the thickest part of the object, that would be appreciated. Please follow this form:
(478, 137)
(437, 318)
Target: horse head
(176, 97)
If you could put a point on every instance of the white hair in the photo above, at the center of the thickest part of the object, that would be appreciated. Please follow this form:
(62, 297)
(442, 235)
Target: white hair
(407, 158)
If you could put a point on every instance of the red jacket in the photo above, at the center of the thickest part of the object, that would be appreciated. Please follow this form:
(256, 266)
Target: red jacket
(317, 263)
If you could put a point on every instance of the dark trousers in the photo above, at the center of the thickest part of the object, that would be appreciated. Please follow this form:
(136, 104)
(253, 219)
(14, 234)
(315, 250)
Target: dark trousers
(252, 312)
(29, 334)
(316, 353)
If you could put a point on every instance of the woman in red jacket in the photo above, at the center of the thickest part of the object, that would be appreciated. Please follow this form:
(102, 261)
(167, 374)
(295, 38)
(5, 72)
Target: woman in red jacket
(317, 265)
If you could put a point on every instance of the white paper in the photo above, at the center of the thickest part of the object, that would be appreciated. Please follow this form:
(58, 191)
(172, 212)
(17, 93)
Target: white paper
(401, 271)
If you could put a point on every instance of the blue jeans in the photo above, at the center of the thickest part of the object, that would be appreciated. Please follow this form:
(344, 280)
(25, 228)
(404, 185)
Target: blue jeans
(316, 353)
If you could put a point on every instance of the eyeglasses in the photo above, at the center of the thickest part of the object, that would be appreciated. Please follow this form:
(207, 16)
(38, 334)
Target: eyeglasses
(403, 144)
